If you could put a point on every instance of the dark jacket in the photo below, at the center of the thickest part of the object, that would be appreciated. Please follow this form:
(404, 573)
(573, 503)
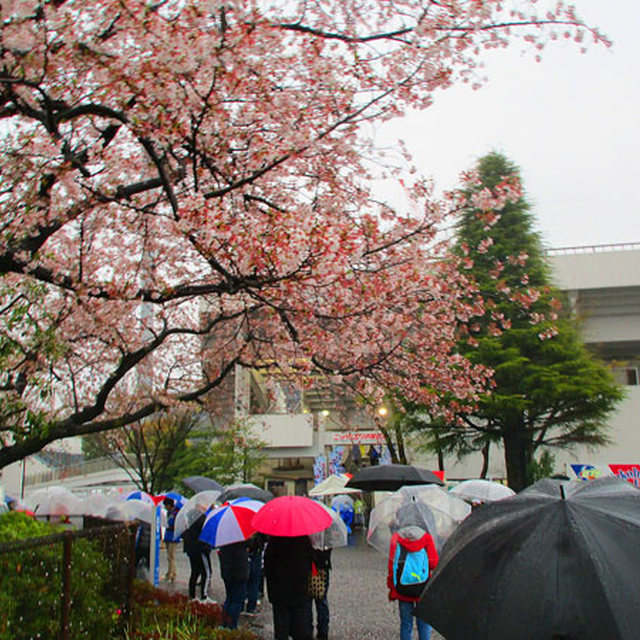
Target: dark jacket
(287, 564)
(190, 539)
(321, 558)
(234, 562)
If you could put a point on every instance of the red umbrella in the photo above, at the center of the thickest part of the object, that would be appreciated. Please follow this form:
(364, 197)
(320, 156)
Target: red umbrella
(291, 516)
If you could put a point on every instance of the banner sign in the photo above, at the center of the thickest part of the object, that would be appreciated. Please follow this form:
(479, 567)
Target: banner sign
(156, 535)
(358, 437)
(319, 469)
(335, 460)
(628, 472)
(586, 471)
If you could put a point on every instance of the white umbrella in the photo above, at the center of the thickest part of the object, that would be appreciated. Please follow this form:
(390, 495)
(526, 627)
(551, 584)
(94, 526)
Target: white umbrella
(96, 504)
(334, 536)
(55, 501)
(332, 485)
(482, 491)
(193, 508)
(427, 506)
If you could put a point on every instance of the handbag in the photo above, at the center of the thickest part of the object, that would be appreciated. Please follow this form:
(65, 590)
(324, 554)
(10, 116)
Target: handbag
(317, 583)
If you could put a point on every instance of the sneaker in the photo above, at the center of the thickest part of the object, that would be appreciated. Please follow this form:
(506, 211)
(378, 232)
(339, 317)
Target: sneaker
(251, 614)
(209, 600)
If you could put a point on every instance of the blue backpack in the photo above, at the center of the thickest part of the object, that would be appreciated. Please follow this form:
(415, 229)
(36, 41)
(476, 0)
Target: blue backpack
(410, 571)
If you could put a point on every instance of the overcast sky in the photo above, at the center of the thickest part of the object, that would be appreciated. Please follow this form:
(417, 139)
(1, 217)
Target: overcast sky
(571, 122)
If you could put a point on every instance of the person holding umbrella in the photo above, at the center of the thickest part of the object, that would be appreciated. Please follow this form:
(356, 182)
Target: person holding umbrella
(289, 521)
(199, 558)
(412, 557)
(228, 528)
(171, 540)
(287, 566)
(234, 569)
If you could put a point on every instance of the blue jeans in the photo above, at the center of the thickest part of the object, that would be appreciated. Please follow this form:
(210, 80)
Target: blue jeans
(255, 580)
(234, 602)
(406, 622)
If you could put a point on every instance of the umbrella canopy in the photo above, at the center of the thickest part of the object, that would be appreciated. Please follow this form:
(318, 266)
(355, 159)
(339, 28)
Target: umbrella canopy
(429, 507)
(342, 501)
(245, 490)
(482, 491)
(138, 495)
(96, 504)
(230, 523)
(390, 477)
(202, 483)
(178, 499)
(135, 509)
(291, 516)
(332, 485)
(336, 535)
(559, 559)
(193, 508)
(55, 501)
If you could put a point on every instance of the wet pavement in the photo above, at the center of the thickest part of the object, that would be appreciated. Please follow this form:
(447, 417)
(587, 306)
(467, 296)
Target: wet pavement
(358, 604)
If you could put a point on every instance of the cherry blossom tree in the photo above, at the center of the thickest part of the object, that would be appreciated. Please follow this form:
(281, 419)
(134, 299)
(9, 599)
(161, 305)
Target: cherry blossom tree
(189, 181)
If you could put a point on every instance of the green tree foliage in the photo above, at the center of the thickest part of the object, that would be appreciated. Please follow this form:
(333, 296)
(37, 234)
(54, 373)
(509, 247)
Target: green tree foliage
(549, 390)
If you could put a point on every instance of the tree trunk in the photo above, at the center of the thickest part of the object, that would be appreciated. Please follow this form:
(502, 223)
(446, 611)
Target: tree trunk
(514, 438)
(387, 437)
(402, 454)
(485, 460)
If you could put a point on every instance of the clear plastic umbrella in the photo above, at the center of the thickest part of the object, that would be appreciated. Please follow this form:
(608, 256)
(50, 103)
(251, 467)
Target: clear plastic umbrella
(135, 509)
(426, 506)
(245, 490)
(96, 504)
(55, 501)
(193, 509)
(335, 536)
(482, 491)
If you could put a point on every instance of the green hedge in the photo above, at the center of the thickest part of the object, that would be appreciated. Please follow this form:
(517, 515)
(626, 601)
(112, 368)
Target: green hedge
(31, 585)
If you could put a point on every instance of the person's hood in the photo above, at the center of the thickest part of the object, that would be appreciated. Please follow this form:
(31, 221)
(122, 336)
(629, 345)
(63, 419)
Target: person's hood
(412, 538)
(411, 532)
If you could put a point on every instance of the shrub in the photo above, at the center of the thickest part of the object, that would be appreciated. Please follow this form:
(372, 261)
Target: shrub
(31, 585)
(159, 615)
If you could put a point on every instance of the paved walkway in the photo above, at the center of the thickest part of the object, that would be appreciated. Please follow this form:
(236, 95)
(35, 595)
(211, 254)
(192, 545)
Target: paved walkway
(358, 603)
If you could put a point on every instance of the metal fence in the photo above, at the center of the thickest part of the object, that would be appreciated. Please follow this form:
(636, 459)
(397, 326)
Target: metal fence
(68, 586)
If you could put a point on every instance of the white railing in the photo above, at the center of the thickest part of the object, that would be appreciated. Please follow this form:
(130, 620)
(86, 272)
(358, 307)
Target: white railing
(60, 473)
(595, 248)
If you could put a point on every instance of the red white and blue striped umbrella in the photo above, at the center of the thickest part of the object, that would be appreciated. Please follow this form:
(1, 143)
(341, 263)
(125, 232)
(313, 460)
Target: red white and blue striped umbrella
(178, 499)
(230, 523)
(138, 495)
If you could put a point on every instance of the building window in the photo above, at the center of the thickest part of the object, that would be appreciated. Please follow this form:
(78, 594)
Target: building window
(629, 376)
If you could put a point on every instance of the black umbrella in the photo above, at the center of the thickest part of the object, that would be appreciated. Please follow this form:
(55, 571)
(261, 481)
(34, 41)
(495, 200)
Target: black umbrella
(561, 560)
(245, 491)
(201, 483)
(390, 477)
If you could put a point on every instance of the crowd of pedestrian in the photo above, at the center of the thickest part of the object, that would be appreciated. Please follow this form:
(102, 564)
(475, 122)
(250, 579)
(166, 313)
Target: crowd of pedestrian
(293, 574)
